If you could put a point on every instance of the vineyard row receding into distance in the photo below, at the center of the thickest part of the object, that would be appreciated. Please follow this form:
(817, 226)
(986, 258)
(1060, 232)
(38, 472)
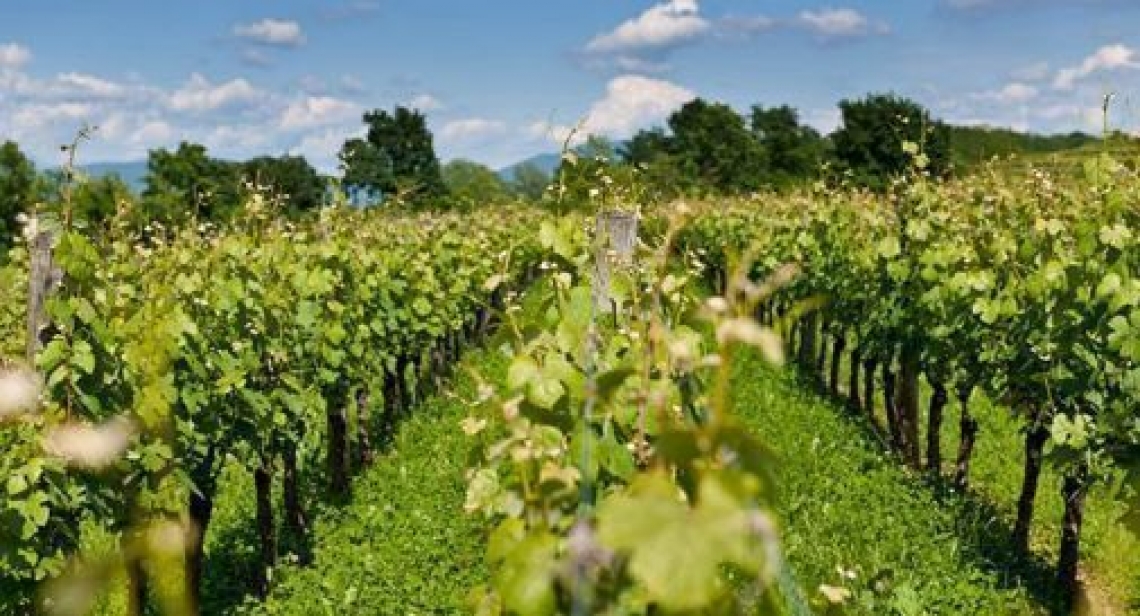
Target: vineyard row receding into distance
(609, 459)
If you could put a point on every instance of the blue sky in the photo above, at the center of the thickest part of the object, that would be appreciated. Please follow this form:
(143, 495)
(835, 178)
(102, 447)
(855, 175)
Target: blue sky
(501, 80)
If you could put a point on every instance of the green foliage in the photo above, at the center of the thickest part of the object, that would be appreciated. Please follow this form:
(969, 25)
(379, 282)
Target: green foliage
(615, 481)
(795, 152)
(714, 148)
(529, 182)
(471, 184)
(584, 173)
(188, 184)
(233, 346)
(869, 144)
(1026, 292)
(290, 180)
(17, 191)
(974, 145)
(652, 152)
(395, 159)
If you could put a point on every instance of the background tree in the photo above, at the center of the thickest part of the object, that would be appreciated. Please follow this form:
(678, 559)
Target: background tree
(290, 178)
(96, 200)
(794, 151)
(471, 184)
(396, 157)
(714, 148)
(17, 191)
(529, 181)
(652, 152)
(187, 184)
(870, 142)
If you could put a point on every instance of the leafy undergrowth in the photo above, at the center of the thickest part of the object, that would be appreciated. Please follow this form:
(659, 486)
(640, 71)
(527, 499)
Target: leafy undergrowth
(855, 521)
(403, 544)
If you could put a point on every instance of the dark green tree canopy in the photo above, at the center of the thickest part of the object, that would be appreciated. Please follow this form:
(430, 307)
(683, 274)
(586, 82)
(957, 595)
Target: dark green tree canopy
(715, 149)
(188, 183)
(17, 190)
(396, 157)
(794, 151)
(96, 200)
(870, 142)
(291, 179)
(647, 147)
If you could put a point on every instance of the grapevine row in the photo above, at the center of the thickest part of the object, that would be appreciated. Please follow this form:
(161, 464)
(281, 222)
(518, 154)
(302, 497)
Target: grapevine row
(1029, 293)
(272, 346)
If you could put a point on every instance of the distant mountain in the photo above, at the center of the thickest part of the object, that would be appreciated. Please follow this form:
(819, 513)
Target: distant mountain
(133, 173)
(548, 163)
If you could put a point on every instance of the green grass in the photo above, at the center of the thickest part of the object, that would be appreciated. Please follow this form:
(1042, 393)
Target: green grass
(403, 544)
(1111, 556)
(846, 505)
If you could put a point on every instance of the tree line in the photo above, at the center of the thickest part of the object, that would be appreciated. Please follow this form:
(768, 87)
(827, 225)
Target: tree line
(704, 148)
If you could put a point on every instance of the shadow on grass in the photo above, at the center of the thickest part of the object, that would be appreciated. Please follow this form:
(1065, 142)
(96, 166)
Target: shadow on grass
(985, 528)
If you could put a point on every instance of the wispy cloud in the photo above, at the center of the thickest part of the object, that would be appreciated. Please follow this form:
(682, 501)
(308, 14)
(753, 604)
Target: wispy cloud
(1013, 93)
(14, 55)
(471, 128)
(426, 102)
(199, 94)
(315, 111)
(643, 43)
(1107, 58)
(274, 32)
(840, 23)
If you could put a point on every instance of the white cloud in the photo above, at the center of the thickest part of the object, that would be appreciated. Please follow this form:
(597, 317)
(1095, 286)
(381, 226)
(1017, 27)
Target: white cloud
(14, 55)
(633, 102)
(321, 148)
(840, 23)
(151, 134)
(1013, 93)
(314, 111)
(426, 102)
(664, 25)
(198, 94)
(90, 85)
(471, 128)
(277, 32)
(31, 117)
(1107, 58)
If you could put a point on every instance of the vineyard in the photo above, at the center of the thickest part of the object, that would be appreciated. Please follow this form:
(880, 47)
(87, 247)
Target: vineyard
(515, 412)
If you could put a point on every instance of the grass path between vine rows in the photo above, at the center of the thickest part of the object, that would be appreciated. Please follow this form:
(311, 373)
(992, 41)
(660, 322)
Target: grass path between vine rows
(404, 546)
(846, 506)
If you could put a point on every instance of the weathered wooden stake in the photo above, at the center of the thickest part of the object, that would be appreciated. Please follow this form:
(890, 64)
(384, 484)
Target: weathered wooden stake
(42, 280)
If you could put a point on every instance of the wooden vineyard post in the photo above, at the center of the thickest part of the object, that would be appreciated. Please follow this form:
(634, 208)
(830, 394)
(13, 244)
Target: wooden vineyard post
(615, 244)
(43, 277)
